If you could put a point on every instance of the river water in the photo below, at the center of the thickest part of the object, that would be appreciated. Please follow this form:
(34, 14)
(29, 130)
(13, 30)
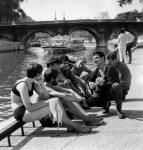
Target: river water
(12, 68)
(12, 65)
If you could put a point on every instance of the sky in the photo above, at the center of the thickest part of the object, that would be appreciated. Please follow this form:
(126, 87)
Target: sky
(45, 10)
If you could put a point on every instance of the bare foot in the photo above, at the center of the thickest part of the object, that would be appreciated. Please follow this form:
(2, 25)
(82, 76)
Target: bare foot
(92, 118)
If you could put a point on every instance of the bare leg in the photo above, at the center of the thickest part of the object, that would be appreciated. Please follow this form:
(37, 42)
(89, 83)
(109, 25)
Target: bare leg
(75, 126)
(77, 110)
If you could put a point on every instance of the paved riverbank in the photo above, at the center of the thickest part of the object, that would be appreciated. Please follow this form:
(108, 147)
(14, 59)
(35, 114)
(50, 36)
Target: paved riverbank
(115, 134)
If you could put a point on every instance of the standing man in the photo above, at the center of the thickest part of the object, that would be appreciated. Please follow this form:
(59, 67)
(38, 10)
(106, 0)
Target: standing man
(122, 42)
(130, 44)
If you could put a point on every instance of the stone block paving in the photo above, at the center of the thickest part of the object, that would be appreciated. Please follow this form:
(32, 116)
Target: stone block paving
(114, 134)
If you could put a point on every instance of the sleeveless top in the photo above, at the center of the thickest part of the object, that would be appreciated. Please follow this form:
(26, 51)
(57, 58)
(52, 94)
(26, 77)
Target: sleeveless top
(16, 92)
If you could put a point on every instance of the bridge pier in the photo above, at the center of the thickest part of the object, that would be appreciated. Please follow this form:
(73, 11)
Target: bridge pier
(102, 46)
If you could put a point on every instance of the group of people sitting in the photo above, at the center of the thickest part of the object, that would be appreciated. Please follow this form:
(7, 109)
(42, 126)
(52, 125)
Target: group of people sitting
(61, 93)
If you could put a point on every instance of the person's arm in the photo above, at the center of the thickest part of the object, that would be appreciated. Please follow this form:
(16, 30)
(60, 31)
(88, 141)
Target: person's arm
(76, 94)
(69, 91)
(92, 79)
(23, 89)
(86, 69)
(61, 89)
(125, 75)
(111, 76)
(63, 81)
(66, 96)
(40, 89)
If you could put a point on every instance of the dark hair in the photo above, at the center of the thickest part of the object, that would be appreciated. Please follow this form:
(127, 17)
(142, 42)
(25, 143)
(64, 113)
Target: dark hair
(34, 69)
(49, 74)
(112, 55)
(100, 53)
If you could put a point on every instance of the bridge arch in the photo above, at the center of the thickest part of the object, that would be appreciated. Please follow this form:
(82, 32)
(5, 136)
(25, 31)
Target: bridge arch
(100, 29)
(95, 34)
(25, 38)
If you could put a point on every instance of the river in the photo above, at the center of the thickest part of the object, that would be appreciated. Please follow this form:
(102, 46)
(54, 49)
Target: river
(12, 68)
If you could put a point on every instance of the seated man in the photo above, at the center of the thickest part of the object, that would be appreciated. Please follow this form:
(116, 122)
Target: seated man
(67, 73)
(69, 99)
(54, 63)
(123, 71)
(80, 67)
(105, 84)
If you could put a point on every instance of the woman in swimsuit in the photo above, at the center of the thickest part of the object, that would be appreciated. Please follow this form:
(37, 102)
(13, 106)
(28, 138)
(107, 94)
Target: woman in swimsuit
(26, 111)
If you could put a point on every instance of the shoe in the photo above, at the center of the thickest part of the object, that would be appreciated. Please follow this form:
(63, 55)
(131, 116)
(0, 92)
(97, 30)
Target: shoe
(84, 105)
(121, 115)
(106, 110)
(129, 62)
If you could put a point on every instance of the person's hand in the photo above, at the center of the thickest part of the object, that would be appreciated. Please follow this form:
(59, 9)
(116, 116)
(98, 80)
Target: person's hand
(99, 81)
(81, 99)
(91, 85)
(61, 84)
(82, 92)
(40, 80)
(66, 82)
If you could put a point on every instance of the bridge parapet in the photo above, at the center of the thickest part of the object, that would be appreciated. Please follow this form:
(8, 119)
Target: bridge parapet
(100, 29)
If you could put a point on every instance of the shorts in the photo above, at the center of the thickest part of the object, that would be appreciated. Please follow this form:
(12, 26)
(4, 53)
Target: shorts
(19, 113)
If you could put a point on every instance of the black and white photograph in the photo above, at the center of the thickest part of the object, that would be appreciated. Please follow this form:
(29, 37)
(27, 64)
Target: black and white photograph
(71, 74)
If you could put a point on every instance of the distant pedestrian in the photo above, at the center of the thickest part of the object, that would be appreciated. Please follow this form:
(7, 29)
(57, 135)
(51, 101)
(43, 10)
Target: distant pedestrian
(122, 41)
(130, 44)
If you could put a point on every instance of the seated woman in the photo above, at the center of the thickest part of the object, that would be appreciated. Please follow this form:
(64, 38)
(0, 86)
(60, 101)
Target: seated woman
(26, 111)
(69, 98)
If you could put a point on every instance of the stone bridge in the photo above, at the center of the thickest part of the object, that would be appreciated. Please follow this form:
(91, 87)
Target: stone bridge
(100, 29)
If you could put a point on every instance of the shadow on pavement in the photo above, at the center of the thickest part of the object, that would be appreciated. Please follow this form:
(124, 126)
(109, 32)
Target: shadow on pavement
(51, 133)
(134, 100)
(134, 114)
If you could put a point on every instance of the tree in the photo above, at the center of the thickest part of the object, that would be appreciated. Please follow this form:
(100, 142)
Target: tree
(130, 15)
(10, 10)
(124, 2)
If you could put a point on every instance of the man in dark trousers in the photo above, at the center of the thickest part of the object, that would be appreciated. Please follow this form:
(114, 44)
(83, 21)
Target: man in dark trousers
(105, 84)
(123, 71)
(130, 44)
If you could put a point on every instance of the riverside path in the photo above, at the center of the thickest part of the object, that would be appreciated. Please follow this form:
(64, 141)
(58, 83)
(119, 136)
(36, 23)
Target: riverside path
(115, 134)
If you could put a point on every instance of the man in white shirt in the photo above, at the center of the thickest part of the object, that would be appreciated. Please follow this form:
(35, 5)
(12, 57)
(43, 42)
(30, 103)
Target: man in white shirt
(130, 44)
(122, 42)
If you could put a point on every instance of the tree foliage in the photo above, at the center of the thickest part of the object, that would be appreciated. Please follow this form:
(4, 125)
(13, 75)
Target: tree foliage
(10, 10)
(130, 15)
(125, 2)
